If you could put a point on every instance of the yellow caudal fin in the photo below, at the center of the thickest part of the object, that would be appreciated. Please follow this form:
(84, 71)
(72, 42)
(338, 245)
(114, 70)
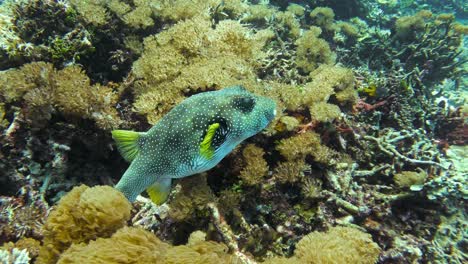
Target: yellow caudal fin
(159, 191)
(127, 143)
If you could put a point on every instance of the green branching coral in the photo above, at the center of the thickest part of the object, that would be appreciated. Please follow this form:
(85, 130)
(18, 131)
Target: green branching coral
(42, 88)
(337, 245)
(82, 215)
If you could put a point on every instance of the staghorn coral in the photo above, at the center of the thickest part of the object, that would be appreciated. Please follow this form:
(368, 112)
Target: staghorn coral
(42, 88)
(82, 215)
(14, 256)
(256, 168)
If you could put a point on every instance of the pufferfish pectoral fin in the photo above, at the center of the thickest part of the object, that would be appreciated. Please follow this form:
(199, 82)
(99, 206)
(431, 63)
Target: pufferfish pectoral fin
(127, 143)
(206, 146)
(159, 191)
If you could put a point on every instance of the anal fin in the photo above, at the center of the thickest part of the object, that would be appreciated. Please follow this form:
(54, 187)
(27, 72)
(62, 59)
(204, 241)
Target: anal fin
(159, 191)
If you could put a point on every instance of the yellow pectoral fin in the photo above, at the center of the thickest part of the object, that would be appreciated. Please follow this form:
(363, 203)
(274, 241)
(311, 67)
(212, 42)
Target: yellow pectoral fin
(159, 191)
(206, 149)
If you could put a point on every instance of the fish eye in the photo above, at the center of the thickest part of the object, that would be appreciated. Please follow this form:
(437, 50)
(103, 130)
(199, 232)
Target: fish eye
(244, 103)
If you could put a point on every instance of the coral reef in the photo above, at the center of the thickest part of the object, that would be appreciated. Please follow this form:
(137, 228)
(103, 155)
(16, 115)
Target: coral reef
(338, 245)
(364, 162)
(82, 215)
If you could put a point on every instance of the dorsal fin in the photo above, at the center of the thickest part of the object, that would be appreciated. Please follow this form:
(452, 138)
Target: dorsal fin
(127, 143)
(206, 148)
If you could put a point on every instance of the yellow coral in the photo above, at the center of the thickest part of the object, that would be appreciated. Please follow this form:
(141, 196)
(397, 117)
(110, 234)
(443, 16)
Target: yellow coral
(328, 80)
(406, 179)
(406, 26)
(193, 197)
(297, 147)
(296, 9)
(68, 90)
(323, 17)
(82, 215)
(338, 245)
(324, 112)
(348, 29)
(256, 167)
(127, 245)
(136, 245)
(301, 145)
(290, 171)
(192, 56)
(313, 51)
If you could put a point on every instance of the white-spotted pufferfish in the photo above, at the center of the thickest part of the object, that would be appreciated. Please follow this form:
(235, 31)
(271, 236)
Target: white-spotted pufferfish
(193, 137)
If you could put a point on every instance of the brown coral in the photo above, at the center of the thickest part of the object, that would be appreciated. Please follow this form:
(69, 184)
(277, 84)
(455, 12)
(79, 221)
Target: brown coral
(192, 56)
(337, 245)
(407, 26)
(193, 197)
(43, 88)
(82, 215)
(256, 167)
(313, 51)
(323, 17)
